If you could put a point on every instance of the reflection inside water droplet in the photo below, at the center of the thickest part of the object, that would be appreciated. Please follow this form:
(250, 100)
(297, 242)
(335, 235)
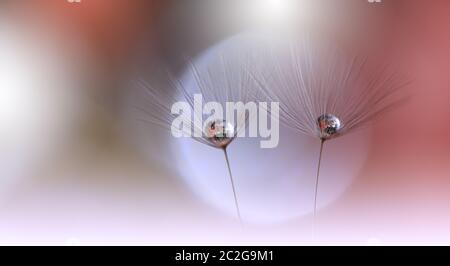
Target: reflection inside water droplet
(329, 126)
(220, 133)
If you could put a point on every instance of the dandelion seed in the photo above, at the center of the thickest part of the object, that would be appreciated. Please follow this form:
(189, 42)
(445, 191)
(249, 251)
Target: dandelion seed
(224, 80)
(323, 92)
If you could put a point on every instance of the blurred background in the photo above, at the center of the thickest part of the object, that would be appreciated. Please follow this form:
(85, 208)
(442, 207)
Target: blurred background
(75, 168)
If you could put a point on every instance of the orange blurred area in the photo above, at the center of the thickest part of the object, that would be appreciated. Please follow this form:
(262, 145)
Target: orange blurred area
(110, 25)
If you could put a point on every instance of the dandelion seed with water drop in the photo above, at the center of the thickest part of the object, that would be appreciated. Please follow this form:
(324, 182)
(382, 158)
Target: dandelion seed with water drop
(325, 93)
(224, 80)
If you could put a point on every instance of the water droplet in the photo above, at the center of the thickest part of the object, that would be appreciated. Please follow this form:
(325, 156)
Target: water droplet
(220, 133)
(329, 126)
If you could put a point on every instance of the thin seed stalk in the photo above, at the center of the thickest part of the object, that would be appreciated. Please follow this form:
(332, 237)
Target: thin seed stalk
(236, 202)
(318, 176)
(316, 189)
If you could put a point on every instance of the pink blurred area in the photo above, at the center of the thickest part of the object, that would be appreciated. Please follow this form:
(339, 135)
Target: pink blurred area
(404, 191)
(99, 189)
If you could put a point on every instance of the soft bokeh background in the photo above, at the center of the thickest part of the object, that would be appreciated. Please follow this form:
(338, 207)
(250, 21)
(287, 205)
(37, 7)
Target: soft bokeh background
(75, 170)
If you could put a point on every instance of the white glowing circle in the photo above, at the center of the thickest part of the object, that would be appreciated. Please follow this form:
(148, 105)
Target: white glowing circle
(20, 100)
(276, 8)
(273, 185)
(38, 98)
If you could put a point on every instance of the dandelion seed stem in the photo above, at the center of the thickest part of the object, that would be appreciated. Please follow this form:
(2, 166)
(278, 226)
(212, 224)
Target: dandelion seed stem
(238, 212)
(322, 141)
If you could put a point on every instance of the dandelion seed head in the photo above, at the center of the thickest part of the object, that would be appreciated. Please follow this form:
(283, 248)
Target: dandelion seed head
(325, 91)
(329, 126)
(220, 133)
(218, 76)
